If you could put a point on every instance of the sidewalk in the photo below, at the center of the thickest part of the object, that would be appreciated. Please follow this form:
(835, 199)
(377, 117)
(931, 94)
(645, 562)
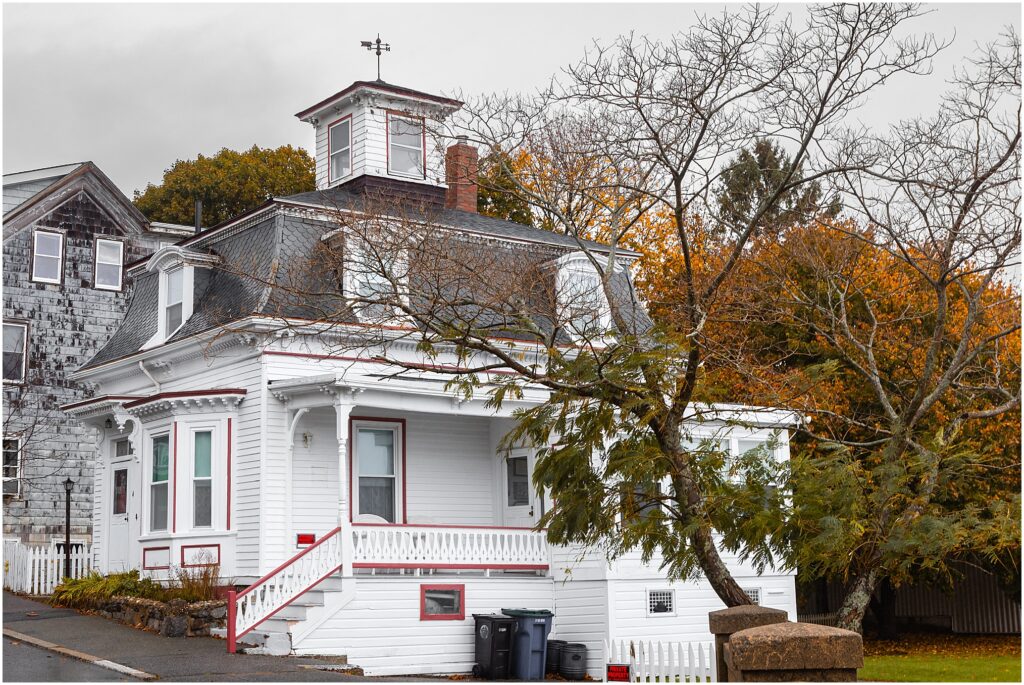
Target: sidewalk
(181, 658)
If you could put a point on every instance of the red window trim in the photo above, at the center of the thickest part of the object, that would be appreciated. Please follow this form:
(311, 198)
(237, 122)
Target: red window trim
(207, 546)
(351, 459)
(388, 113)
(155, 549)
(424, 616)
(174, 478)
(228, 526)
(32, 255)
(96, 260)
(351, 166)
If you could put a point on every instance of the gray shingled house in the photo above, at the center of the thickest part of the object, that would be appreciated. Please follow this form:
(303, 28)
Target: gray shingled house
(68, 233)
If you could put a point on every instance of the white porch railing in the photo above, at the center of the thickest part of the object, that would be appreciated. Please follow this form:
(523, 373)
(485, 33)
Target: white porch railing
(38, 569)
(282, 586)
(441, 547)
(664, 662)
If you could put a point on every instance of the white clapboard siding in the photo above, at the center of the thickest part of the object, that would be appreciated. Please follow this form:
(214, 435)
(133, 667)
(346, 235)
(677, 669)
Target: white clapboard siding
(581, 616)
(381, 631)
(665, 661)
(314, 475)
(37, 569)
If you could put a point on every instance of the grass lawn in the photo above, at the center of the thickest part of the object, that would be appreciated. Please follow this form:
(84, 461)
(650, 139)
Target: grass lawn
(933, 668)
(943, 657)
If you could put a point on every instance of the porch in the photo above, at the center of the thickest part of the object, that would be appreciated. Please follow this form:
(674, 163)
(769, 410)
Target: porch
(416, 484)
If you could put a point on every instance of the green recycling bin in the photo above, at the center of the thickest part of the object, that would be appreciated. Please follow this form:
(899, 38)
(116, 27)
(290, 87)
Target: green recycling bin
(531, 642)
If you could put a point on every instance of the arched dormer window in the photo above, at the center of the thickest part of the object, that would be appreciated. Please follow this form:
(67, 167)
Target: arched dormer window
(175, 267)
(582, 306)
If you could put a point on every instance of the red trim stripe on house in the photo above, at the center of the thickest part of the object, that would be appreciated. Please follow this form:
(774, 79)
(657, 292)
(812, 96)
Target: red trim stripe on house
(174, 481)
(228, 526)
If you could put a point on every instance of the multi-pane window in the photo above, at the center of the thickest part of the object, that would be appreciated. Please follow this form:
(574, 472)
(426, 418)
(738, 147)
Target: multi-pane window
(340, 143)
(754, 594)
(405, 146)
(518, 481)
(377, 472)
(173, 304)
(47, 257)
(640, 503)
(376, 281)
(202, 480)
(158, 483)
(583, 304)
(12, 466)
(661, 602)
(109, 263)
(15, 335)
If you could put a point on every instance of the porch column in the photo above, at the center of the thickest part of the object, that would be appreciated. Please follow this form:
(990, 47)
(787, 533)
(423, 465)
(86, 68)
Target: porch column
(343, 404)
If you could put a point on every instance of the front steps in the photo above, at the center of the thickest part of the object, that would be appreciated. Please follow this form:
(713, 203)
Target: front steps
(279, 634)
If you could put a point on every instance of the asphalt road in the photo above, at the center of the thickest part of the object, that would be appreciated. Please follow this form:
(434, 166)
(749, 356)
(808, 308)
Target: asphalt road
(27, 663)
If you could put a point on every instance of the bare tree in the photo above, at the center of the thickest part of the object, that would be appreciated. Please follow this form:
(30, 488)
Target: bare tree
(937, 339)
(634, 131)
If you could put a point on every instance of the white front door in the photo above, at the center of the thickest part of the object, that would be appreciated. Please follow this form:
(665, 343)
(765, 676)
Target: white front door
(122, 507)
(521, 505)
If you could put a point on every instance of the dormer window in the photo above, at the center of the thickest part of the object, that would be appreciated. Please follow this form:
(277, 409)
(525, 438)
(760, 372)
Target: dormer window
(376, 283)
(339, 142)
(583, 307)
(406, 149)
(175, 288)
(175, 267)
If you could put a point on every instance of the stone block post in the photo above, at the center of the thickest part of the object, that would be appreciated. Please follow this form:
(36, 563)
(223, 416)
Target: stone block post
(725, 622)
(794, 652)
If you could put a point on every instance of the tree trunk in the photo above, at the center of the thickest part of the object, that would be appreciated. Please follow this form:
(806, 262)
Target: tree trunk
(715, 569)
(884, 608)
(851, 613)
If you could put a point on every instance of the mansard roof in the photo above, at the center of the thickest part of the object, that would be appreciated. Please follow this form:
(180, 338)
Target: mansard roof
(260, 250)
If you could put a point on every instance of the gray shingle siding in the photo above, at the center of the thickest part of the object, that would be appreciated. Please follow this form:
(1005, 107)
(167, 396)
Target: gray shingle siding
(67, 323)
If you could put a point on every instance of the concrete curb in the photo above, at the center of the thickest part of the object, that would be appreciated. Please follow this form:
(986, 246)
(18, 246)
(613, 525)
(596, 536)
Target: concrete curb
(81, 656)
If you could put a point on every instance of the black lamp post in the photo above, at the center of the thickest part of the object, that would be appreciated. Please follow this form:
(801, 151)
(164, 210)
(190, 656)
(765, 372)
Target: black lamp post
(68, 485)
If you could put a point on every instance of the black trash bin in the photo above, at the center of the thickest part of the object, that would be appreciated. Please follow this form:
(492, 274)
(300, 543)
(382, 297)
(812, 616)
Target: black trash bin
(531, 642)
(573, 662)
(494, 635)
(554, 655)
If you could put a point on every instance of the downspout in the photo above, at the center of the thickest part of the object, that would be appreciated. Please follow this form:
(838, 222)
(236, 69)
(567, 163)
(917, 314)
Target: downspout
(155, 382)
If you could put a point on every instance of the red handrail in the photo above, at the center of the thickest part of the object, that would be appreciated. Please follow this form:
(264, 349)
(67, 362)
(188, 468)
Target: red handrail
(233, 596)
(290, 561)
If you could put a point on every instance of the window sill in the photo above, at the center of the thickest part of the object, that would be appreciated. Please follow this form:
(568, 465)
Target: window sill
(150, 537)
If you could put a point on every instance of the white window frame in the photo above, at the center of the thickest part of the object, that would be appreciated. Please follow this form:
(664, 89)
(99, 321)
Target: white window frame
(59, 256)
(119, 264)
(397, 429)
(422, 149)
(24, 352)
(150, 483)
(17, 478)
(571, 269)
(660, 614)
(331, 151)
(215, 479)
(167, 304)
(354, 252)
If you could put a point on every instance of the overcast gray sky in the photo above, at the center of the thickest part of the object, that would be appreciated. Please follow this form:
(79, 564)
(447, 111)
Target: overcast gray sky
(134, 87)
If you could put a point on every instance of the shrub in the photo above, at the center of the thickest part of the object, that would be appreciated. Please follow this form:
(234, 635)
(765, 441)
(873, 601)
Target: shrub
(195, 583)
(96, 589)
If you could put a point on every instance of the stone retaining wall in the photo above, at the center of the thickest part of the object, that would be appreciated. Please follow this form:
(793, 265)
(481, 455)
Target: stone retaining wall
(176, 618)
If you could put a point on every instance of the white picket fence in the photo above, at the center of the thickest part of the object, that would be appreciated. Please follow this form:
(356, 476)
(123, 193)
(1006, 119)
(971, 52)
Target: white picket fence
(37, 569)
(652, 661)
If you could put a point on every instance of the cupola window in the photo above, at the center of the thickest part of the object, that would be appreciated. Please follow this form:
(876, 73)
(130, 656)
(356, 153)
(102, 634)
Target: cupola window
(405, 146)
(340, 148)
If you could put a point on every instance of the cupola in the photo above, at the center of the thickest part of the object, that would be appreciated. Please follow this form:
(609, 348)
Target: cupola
(374, 128)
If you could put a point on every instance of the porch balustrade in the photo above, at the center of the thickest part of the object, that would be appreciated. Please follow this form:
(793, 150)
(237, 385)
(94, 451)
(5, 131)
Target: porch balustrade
(445, 547)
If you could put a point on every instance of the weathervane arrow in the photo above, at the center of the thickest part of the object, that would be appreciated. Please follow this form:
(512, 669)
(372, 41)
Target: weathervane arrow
(377, 47)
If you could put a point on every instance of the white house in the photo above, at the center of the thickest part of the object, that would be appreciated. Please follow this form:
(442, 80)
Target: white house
(369, 515)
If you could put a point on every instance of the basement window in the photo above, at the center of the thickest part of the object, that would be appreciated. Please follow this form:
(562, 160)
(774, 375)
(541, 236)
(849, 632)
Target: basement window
(754, 593)
(661, 602)
(442, 602)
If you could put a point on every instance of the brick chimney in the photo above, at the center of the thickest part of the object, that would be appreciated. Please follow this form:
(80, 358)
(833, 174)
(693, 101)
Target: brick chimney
(460, 174)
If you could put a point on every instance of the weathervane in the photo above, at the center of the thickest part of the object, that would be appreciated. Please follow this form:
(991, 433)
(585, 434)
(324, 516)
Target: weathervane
(377, 47)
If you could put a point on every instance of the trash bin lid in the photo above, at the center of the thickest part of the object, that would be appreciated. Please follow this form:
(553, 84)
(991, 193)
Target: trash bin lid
(527, 613)
(496, 617)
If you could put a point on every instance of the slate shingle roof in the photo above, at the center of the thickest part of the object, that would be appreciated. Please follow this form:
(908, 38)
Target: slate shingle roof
(275, 249)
